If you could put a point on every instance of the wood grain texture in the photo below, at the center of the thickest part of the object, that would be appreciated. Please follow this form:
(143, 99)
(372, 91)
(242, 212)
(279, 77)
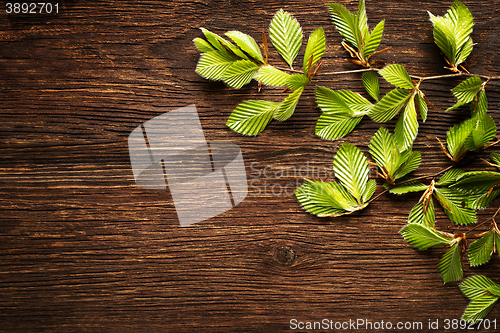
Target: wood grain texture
(83, 249)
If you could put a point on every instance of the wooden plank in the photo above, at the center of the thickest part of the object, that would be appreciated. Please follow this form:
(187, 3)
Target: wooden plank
(84, 249)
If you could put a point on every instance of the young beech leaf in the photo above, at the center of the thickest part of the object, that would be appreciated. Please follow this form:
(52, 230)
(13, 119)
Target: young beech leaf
(223, 45)
(397, 75)
(423, 237)
(479, 105)
(315, 49)
(326, 199)
(409, 187)
(287, 107)
(240, 73)
(286, 35)
(213, 65)
(424, 215)
(345, 22)
(422, 105)
(407, 126)
(479, 308)
(297, 81)
(351, 168)
(411, 164)
(450, 265)
(480, 251)
(272, 76)
(450, 177)
(452, 33)
(495, 157)
(455, 207)
(480, 187)
(455, 139)
(373, 41)
(252, 117)
(247, 44)
(484, 130)
(332, 126)
(466, 91)
(370, 81)
(477, 286)
(389, 105)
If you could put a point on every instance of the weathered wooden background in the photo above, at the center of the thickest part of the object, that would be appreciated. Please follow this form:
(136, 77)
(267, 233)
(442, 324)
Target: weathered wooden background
(83, 249)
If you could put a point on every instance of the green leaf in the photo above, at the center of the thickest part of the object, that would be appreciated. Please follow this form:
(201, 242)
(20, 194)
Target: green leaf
(476, 182)
(272, 76)
(247, 44)
(450, 265)
(214, 64)
(371, 186)
(484, 130)
(202, 45)
(315, 49)
(495, 157)
(370, 81)
(407, 126)
(343, 101)
(351, 168)
(287, 107)
(483, 200)
(452, 33)
(450, 177)
(240, 73)
(390, 105)
(466, 91)
(325, 199)
(477, 286)
(480, 251)
(422, 106)
(297, 81)
(424, 216)
(456, 136)
(375, 38)
(362, 22)
(423, 237)
(252, 117)
(479, 105)
(286, 35)
(223, 45)
(455, 206)
(345, 22)
(332, 126)
(411, 164)
(409, 187)
(479, 308)
(397, 75)
(356, 103)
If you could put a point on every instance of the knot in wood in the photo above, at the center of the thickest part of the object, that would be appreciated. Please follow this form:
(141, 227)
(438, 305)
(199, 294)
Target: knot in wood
(285, 255)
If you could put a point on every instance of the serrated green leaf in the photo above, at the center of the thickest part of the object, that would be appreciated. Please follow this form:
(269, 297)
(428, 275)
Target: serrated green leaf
(411, 164)
(422, 237)
(390, 105)
(424, 216)
(286, 36)
(407, 126)
(452, 33)
(325, 199)
(479, 105)
(247, 44)
(466, 91)
(223, 45)
(240, 72)
(476, 182)
(332, 126)
(408, 188)
(495, 157)
(397, 75)
(456, 136)
(343, 101)
(351, 168)
(484, 130)
(373, 41)
(345, 22)
(362, 23)
(479, 308)
(371, 186)
(202, 45)
(272, 76)
(422, 105)
(287, 107)
(483, 200)
(450, 177)
(252, 117)
(480, 251)
(297, 81)
(213, 65)
(455, 207)
(315, 49)
(476, 286)
(370, 81)
(357, 103)
(450, 265)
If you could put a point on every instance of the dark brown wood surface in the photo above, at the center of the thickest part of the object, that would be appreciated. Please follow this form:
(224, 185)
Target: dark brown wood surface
(83, 249)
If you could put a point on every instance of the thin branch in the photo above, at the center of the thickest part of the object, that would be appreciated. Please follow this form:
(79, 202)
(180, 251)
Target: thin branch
(483, 223)
(352, 71)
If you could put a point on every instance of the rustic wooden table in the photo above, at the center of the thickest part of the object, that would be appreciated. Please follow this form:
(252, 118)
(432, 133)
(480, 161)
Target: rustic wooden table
(84, 249)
